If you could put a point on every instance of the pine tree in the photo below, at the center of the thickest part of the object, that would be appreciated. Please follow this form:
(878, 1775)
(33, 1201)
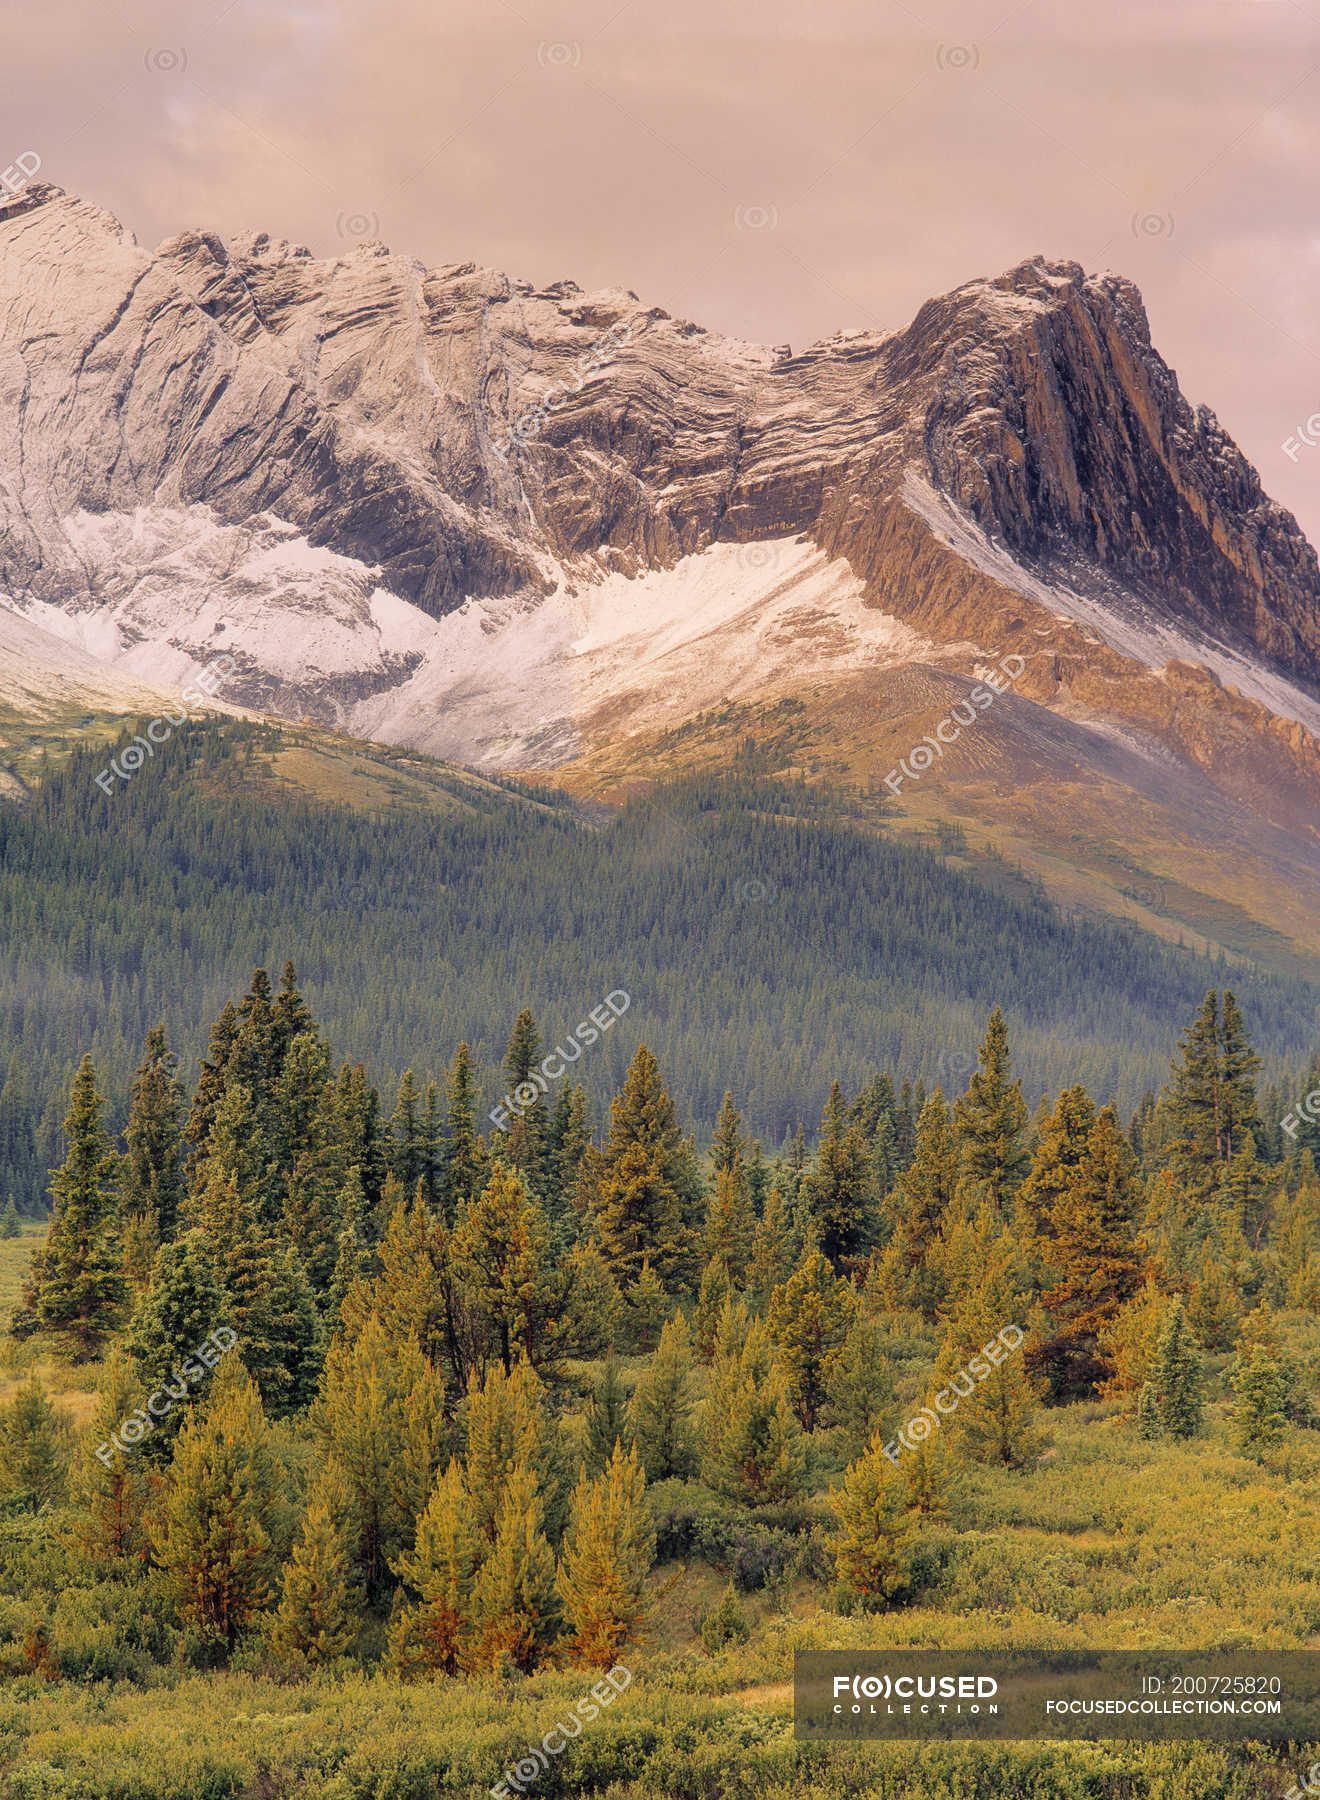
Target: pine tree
(508, 1426)
(501, 1260)
(1170, 1403)
(660, 1411)
(216, 1535)
(754, 1450)
(79, 1287)
(10, 1225)
(153, 1181)
(515, 1606)
(1260, 1397)
(859, 1395)
(34, 1456)
(809, 1320)
(990, 1122)
(645, 1304)
(410, 1293)
(924, 1200)
(380, 1413)
(314, 1622)
(995, 1417)
(433, 1634)
(607, 1554)
(712, 1297)
(875, 1543)
(606, 1418)
(1093, 1256)
(728, 1147)
(730, 1227)
(112, 1491)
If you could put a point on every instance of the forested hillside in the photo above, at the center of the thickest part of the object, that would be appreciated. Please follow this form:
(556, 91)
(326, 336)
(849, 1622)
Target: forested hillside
(767, 944)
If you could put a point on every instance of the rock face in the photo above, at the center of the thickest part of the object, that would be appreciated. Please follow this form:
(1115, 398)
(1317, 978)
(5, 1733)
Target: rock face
(323, 467)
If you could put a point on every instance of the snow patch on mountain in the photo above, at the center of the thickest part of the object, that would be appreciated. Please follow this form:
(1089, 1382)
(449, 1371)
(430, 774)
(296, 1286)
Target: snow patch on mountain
(164, 589)
(505, 682)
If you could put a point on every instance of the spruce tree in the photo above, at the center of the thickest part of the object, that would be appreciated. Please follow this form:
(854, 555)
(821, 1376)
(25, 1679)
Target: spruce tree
(838, 1188)
(1259, 1408)
(10, 1225)
(527, 1144)
(153, 1180)
(404, 1142)
(183, 1305)
(290, 1016)
(1170, 1403)
(212, 1081)
(990, 1121)
(464, 1164)
(1063, 1148)
(660, 1411)
(607, 1555)
(923, 1201)
(79, 1285)
(638, 1211)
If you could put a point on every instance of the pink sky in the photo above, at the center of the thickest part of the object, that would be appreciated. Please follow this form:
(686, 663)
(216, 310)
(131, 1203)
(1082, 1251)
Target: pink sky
(773, 171)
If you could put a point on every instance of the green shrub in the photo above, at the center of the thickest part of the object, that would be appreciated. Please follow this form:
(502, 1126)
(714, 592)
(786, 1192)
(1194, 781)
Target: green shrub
(725, 1623)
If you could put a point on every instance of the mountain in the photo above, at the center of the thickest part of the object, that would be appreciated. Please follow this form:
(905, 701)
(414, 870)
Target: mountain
(545, 529)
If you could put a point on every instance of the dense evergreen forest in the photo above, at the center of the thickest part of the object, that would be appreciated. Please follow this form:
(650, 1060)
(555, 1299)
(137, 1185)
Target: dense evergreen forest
(768, 943)
(377, 1391)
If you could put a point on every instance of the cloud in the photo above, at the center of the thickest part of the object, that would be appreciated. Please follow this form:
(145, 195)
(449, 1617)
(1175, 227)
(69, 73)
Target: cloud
(898, 149)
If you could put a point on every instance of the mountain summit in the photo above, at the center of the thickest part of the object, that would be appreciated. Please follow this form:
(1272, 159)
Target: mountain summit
(540, 527)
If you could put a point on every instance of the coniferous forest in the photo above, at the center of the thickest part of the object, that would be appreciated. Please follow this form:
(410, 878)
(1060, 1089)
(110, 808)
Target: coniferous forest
(349, 1437)
(767, 943)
